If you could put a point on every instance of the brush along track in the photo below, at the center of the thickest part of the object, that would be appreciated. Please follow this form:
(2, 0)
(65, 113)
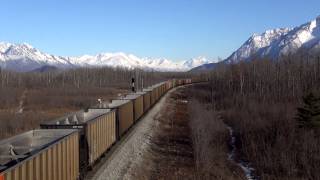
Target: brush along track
(171, 151)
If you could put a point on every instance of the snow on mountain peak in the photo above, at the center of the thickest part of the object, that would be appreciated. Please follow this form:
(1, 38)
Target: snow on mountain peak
(24, 57)
(4, 46)
(26, 45)
(195, 62)
(277, 42)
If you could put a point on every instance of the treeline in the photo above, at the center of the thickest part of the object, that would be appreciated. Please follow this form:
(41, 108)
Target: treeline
(75, 87)
(85, 77)
(287, 78)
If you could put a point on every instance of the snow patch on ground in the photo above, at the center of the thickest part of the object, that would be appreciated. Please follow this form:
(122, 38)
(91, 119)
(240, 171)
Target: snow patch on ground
(246, 168)
(21, 103)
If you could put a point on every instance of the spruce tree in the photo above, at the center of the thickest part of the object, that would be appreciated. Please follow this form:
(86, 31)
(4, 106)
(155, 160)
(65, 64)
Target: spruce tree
(308, 116)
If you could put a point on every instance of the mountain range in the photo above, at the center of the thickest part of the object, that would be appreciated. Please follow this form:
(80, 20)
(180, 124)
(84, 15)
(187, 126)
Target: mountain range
(276, 43)
(271, 44)
(23, 57)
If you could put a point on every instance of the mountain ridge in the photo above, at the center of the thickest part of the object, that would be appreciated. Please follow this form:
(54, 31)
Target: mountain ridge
(24, 57)
(279, 42)
(275, 43)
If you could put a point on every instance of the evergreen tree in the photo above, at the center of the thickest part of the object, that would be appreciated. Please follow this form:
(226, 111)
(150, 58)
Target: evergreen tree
(309, 115)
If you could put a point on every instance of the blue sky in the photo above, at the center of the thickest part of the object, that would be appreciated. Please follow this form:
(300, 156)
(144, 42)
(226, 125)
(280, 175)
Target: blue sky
(174, 29)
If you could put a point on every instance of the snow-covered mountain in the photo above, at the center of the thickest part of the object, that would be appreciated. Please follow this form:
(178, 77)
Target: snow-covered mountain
(24, 57)
(278, 42)
(195, 62)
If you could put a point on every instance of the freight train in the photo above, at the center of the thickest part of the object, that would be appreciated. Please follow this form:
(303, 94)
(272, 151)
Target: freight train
(67, 147)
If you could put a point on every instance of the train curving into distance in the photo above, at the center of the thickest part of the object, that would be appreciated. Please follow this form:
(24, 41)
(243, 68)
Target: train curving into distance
(67, 147)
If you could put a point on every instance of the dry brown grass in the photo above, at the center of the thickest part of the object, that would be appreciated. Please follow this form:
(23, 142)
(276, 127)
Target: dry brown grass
(210, 141)
(191, 142)
(170, 154)
(43, 104)
(172, 143)
(50, 98)
(12, 123)
(210, 138)
(9, 97)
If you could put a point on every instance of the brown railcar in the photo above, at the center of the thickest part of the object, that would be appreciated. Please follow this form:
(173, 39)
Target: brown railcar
(97, 129)
(138, 104)
(152, 93)
(169, 85)
(157, 91)
(124, 113)
(146, 100)
(40, 154)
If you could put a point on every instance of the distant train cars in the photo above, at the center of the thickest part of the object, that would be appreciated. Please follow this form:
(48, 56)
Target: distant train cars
(40, 154)
(67, 147)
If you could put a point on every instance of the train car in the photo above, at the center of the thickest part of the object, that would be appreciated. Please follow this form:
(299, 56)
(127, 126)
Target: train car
(97, 132)
(124, 114)
(184, 81)
(152, 93)
(158, 92)
(163, 88)
(174, 83)
(138, 109)
(188, 81)
(180, 82)
(40, 155)
(169, 85)
(146, 100)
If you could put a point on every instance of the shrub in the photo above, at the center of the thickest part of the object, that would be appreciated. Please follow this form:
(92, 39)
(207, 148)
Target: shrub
(308, 115)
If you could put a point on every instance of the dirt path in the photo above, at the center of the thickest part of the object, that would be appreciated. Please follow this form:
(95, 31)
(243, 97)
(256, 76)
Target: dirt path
(127, 154)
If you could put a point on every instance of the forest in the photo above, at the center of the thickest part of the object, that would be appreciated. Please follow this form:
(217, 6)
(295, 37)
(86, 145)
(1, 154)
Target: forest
(274, 110)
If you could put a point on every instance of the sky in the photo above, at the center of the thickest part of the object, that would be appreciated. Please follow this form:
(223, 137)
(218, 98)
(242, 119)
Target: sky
(173, 29)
